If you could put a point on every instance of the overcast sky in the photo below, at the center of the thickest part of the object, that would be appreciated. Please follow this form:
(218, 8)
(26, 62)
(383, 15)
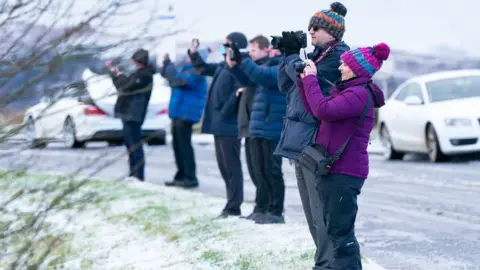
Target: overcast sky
(412, 25)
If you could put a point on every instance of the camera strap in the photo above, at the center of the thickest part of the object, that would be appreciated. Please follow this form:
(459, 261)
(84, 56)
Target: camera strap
(326, 52)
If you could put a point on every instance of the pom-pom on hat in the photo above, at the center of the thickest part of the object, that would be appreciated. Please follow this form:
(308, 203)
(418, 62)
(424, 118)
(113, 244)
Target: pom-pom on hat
(366, 61)
(331, 20)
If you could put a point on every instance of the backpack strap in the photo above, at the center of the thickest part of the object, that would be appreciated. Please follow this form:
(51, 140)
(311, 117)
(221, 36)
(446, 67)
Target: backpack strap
(339, 152)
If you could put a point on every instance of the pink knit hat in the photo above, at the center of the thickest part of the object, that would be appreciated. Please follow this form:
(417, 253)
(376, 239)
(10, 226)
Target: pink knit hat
(365, 61)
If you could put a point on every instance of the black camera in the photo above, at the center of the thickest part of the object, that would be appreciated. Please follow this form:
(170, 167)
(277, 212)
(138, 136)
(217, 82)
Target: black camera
(300, 35)
(276, 42)
(299, 66)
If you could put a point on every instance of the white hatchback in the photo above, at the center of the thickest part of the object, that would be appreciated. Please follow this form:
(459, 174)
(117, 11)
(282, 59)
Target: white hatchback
(437, 114)
(84, 113)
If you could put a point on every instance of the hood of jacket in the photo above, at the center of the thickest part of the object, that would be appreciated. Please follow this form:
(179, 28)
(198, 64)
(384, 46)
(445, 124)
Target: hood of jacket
(378, 97)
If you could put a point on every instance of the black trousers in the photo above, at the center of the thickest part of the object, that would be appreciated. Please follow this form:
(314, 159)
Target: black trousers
(132, 136)
(313, 209)
(227, 151)
(249, 157)
(338, 194)
(183, 150)
(267, 171)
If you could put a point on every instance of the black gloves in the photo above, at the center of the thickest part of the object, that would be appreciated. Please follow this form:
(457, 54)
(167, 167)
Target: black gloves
(290, 43)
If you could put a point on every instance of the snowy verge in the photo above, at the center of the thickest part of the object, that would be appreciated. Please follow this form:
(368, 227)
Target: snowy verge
(131, 225)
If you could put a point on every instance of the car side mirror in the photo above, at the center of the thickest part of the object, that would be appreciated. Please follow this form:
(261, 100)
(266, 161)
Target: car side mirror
(45, 99)
(413, 100)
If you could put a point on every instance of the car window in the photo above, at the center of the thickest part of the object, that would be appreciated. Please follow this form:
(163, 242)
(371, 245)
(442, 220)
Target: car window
(411, 89)
(70, 92)
(415, 90)
(401, 95)
(454, 88)
(74, 92)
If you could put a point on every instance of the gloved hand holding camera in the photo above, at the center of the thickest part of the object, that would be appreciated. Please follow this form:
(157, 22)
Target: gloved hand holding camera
(234, 55)
(290, 42)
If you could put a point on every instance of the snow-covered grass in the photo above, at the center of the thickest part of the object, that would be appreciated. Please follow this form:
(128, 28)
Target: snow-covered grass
(130, 225)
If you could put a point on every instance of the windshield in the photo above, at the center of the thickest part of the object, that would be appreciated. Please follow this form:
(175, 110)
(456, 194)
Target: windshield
(455, 88)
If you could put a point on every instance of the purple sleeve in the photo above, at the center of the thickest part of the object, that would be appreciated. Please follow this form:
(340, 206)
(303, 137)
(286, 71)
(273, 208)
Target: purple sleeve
(301, 91)
(345, 105)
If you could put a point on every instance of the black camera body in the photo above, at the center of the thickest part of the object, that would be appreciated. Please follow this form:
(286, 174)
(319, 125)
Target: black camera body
(299, 66)
(276, 42)
(300, 35)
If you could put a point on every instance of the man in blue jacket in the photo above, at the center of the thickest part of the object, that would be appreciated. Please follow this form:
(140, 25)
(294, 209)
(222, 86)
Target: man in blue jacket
(220, 120)
(187, 101)
(326, 29)
(266, 120)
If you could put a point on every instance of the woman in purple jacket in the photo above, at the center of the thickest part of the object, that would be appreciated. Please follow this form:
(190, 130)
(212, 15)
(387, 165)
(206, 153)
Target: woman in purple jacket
(347, 113)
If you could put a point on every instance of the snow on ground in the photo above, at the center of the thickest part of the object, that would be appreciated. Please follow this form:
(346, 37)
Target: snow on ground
(131, 225)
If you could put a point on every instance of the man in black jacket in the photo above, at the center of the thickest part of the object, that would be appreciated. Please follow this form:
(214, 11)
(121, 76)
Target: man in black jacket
(326, 29)
(220, 120)
(134, 93)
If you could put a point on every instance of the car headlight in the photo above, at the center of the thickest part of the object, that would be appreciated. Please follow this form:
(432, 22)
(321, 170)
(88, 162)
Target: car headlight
(458, 122)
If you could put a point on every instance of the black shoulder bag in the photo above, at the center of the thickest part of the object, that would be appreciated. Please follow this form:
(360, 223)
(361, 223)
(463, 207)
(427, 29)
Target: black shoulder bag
(315, 156)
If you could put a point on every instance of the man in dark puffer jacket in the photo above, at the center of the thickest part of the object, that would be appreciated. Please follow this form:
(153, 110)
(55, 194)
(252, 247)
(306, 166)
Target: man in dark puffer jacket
(220, 120)
(266, 121)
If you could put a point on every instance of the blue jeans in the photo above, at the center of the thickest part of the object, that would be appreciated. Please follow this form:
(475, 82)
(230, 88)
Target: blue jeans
(132, 136)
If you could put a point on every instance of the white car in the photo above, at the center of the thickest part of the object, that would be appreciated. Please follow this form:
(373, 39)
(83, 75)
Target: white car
(437, 114)
(84, 113)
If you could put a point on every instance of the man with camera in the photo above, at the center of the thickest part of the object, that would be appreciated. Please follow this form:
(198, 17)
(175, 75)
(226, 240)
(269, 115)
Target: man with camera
(220, 120)
(187, 101)
(134, 93)
(326, 29)
(258, 52)
(265, 125)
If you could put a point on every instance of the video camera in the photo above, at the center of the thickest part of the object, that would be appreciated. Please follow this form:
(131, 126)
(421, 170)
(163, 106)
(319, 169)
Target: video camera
(300, 35)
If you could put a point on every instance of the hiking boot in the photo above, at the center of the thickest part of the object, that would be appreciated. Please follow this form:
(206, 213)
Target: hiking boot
(271, 219)
(174, 183)
(187, 183)
(226, 214)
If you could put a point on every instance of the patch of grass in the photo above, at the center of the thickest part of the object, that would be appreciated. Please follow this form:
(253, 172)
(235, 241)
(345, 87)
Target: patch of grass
(55, 248)
(86, 264)
(222, 234)
(212, 256)
(152, 218)
(202, 228)
(308, 255)
(245, 262)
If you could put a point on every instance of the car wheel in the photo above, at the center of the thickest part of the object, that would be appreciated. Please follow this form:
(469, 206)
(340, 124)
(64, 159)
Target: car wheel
(435, 153)
(390, 153)
(69, 135)
(31, 134)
